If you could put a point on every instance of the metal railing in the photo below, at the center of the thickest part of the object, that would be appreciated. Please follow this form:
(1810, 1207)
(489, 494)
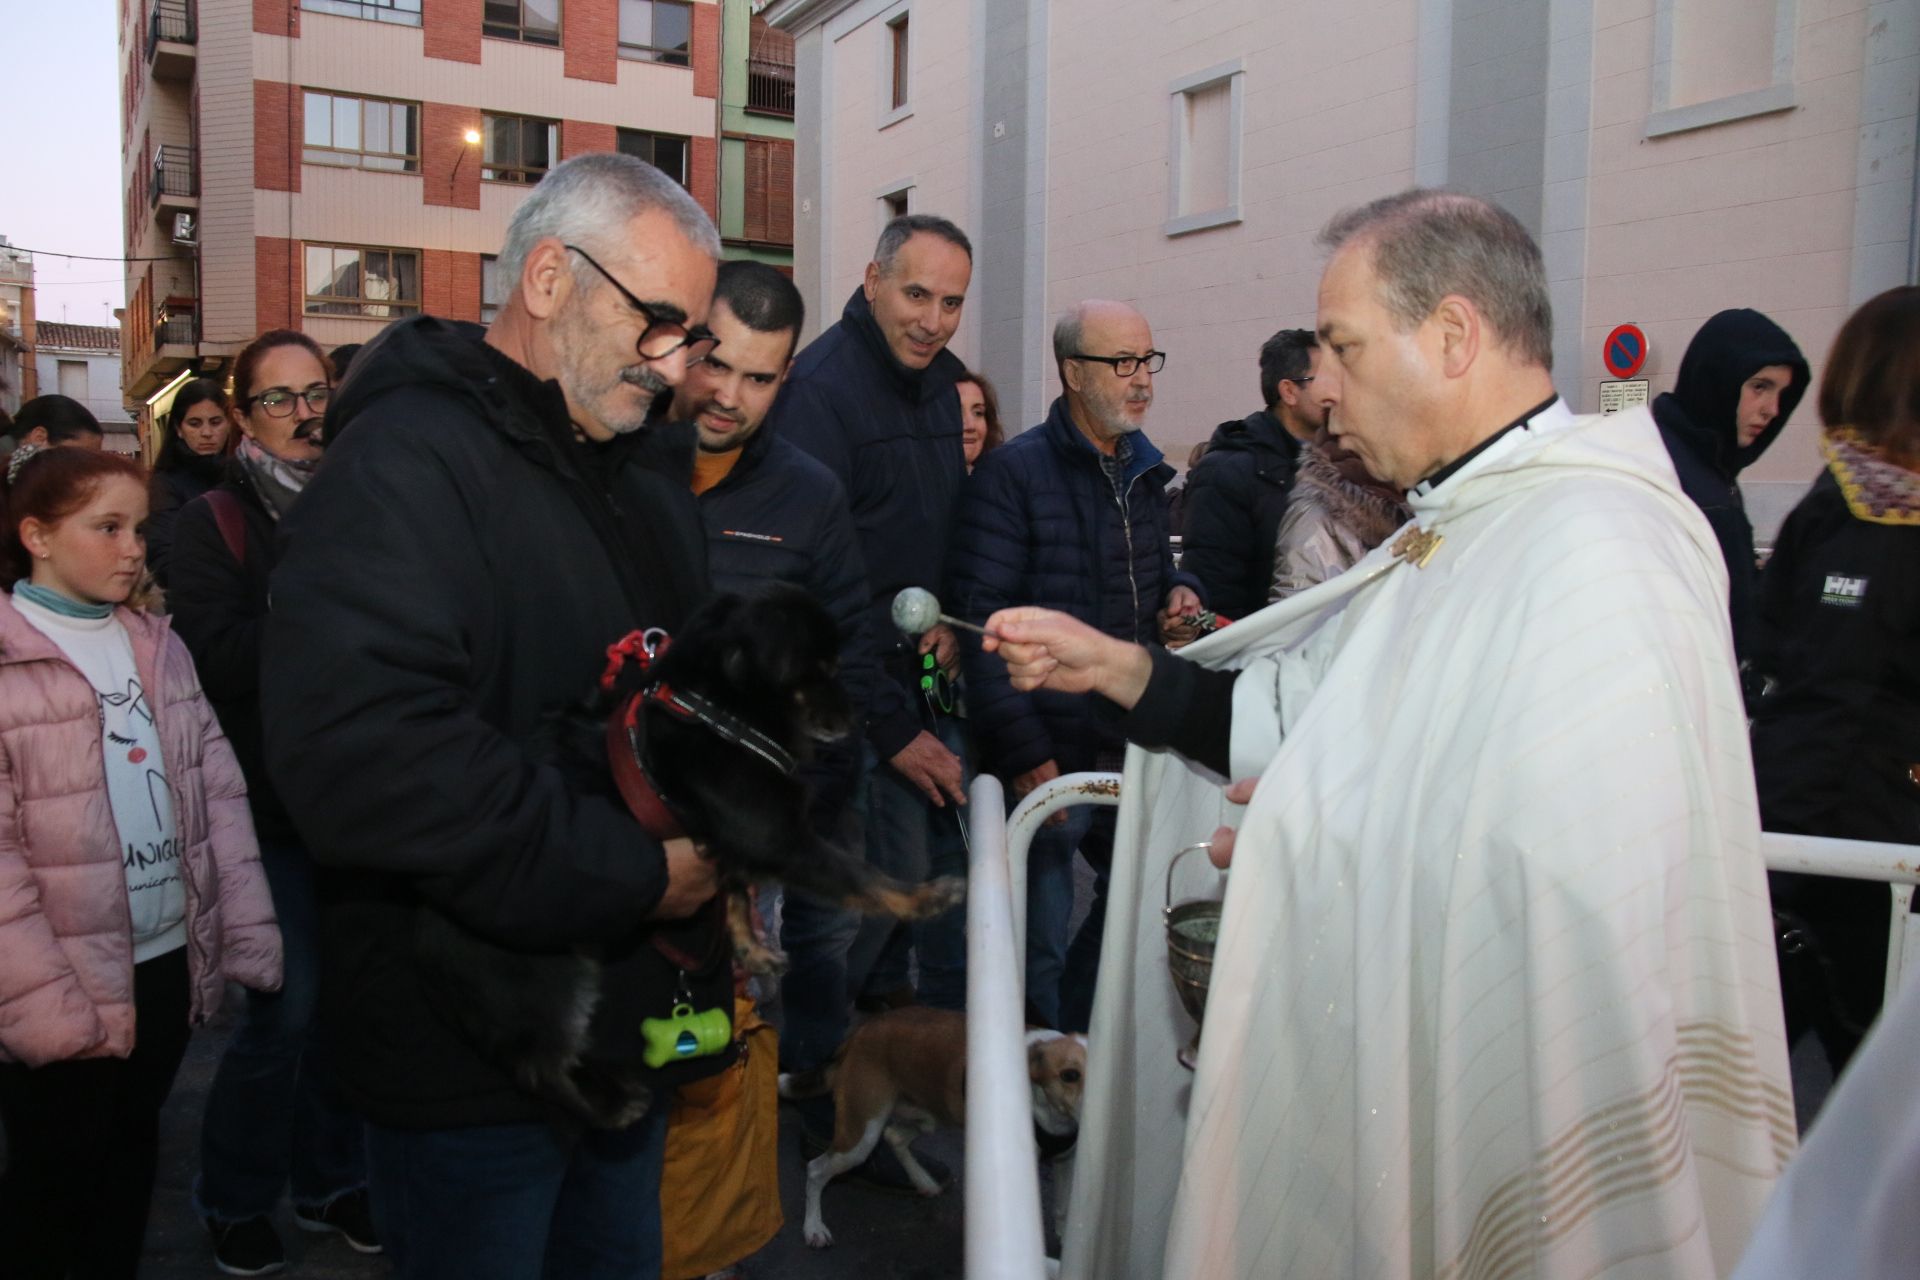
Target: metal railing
(769, 87)
(171, 20)
(182, 330)
(1004, 1240)
(173, 173)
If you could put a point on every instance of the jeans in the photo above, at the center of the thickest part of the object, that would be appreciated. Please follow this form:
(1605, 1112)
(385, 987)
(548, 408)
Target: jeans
(1060, 976)
(270, 1114)
(518, 1201)
(83, 1143)
(835, 954)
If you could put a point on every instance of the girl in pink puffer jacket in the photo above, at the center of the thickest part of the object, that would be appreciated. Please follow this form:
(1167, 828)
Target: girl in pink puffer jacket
(130, 884)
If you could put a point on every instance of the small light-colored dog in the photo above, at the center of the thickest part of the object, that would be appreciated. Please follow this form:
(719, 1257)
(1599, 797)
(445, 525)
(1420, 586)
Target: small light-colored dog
(903, 1073)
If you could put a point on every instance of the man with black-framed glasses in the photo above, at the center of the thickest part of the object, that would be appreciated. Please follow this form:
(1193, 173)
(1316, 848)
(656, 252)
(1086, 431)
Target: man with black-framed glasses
(1073, 512)
(1238, 494)
(498, 507)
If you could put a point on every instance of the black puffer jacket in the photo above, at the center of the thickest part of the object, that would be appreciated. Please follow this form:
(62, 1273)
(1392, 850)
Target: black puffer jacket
(454, 573)
(780, 516)
(891, 435)
(219, 607)
(1234, 501)
(179, 476)
(1697, 421)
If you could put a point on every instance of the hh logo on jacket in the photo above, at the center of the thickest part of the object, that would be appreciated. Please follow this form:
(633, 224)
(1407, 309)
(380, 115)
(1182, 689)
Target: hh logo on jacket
(1847, 592)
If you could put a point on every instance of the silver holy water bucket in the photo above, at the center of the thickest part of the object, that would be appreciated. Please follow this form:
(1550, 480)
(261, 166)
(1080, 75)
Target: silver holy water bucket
(1193, 928)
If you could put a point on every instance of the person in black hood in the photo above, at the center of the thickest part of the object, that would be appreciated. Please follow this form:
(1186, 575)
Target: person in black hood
(498, 513)
(192, 459)
(1237, 494)
(1738, 384)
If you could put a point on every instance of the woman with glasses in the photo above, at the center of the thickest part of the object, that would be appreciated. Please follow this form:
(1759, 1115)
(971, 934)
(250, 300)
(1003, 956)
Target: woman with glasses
(270, 1117)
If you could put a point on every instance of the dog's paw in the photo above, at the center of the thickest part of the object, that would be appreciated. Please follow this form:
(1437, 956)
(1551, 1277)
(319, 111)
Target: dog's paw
(936, 896)
(817, 1236)
(762, 961)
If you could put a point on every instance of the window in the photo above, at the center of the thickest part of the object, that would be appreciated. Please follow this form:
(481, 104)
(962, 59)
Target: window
(346, 280)
(362, 133)
(1205, 124)
(893, 205)
(492, 295)
(519, 149)
(661, 150)
(768, 208)
(657, 31)
(535, 21)
(1720, 60)
(897, 47)
(73, 380)
(406, 13)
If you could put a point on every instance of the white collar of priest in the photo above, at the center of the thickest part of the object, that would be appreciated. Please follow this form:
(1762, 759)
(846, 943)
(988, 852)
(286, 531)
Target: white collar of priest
(1549, 415)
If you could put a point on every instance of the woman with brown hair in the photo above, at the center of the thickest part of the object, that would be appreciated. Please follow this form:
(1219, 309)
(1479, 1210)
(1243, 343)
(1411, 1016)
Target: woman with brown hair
(1836, 735)
(980, 432)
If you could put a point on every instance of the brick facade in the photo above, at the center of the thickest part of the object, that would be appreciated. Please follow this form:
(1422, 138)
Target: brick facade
(279, 117)
(451, 29)
(276, 17)
(703, 169)
(436, 281)
(447, 178)
(706, 50)
(464, 286)
(577, 137)
(277, 291)
(590, 34)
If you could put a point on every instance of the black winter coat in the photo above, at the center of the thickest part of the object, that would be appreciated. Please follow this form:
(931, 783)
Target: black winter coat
(891, 435)
(455, 572)
(1839, 634)
(780, 516)
(1235, 499)
(219, 607)
(1698, 422)
(1039, 524)
(179, 477)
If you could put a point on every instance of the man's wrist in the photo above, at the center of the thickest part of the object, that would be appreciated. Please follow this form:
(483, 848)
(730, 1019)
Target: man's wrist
(1124, 680)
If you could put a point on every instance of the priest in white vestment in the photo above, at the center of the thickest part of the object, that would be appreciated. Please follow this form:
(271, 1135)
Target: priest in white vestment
(1495, 993)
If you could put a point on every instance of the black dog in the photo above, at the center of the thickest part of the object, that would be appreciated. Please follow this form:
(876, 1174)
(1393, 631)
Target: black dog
(701, 735)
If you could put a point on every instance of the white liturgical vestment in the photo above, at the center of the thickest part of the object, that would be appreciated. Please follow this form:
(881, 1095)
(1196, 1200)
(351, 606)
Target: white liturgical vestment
(1495, 994)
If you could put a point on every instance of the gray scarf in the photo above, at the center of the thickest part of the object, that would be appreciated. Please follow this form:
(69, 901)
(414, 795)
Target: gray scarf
(277, 480)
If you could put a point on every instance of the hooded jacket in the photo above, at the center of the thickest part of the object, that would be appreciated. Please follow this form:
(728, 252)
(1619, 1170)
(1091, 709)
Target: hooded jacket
(891, 436)
(780, 516)
(1329, 525)
(1040, 524)
(1235, 499)
(66, 949)
(1697, 422)
(454, 573)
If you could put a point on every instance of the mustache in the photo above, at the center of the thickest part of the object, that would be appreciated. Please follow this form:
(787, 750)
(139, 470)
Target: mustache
(646, 379)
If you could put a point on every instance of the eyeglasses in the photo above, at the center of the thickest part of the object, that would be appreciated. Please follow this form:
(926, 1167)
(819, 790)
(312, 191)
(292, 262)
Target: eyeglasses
(1127, 366)
(665, 336)
(278, 401)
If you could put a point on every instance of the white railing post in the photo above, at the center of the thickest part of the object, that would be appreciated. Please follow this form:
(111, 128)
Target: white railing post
(1028, 817)
(1004, 1240)
(1896, 864)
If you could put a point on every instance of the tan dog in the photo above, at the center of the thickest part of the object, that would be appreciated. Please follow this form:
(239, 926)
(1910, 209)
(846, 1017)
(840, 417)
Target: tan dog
(903, 1073)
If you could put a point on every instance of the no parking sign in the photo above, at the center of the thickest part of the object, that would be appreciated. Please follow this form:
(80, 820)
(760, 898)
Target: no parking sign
(1625, 350)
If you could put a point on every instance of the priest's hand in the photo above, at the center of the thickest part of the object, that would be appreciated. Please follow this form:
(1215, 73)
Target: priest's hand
(1221, 852)
(1048, 650)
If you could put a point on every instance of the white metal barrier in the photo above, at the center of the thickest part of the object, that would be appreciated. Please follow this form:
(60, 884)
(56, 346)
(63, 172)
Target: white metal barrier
(1004, 1239)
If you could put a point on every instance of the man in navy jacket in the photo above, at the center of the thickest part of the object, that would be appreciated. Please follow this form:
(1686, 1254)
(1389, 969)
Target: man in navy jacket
(1071, 515)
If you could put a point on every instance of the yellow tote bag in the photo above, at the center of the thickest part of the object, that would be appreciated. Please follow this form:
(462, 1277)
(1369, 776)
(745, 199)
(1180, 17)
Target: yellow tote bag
(720, 1190)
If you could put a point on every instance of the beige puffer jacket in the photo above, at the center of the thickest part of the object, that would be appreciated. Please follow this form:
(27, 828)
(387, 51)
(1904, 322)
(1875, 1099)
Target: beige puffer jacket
(66, 945)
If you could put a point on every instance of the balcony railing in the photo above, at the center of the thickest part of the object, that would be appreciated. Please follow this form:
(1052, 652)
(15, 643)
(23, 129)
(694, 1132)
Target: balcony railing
(171, 20)
(770, 87)
(173, 173)
(177, 330)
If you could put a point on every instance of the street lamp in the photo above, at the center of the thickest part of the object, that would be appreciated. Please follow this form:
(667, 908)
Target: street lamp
(472, 139)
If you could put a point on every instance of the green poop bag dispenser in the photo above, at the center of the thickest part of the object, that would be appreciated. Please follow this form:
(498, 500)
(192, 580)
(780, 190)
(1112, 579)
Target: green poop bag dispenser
(685, 1034)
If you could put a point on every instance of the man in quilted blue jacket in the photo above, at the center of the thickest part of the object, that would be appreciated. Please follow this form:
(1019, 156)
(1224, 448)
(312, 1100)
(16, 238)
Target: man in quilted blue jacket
(1071, 515)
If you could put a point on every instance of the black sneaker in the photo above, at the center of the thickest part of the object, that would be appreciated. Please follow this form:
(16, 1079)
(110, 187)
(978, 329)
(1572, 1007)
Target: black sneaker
(250, 1247)
(351, 1215)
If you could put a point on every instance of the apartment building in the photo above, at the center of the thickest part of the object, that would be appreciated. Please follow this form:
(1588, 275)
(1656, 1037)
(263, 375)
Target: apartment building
(332, 165)
(19, 378)
(1674, 157)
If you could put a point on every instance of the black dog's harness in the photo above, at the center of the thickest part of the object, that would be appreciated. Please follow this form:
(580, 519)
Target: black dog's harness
(627, 734)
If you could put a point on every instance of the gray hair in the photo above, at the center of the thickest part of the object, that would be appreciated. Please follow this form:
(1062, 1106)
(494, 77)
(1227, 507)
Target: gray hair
(1428, 244)
(906, 226)
(582, 200)
(1068, 333)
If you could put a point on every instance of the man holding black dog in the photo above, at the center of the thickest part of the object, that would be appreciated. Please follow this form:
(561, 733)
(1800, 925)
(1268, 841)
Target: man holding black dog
(500, 514)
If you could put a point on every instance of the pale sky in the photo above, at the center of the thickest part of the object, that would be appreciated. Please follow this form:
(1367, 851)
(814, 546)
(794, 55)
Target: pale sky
(60, 188)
